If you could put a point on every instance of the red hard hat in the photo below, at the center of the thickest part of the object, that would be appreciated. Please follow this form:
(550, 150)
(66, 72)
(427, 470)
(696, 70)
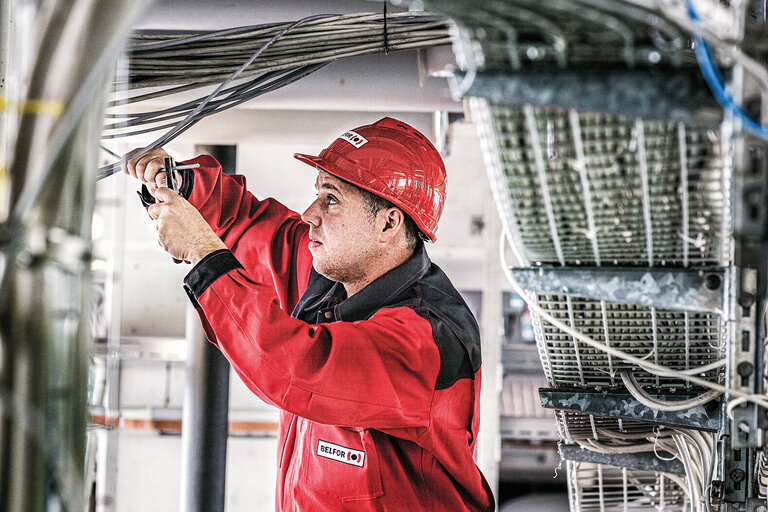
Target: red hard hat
(393, 161)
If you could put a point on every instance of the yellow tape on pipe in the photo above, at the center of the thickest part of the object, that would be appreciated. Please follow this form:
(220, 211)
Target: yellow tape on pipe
(34, 106)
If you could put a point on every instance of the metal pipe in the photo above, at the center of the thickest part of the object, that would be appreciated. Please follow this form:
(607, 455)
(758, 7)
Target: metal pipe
(45, 279)
(488, 449)
(205, 422)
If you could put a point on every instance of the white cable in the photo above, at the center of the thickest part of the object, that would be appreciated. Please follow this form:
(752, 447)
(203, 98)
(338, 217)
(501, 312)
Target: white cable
(705, 368)
(599, 447)
(701, 454)
(693, 449)
(680, 482)
(666, 448)
(737, 402)
(646, 399)
(697, 460)
(698, 450)
(760, 400)
(629, 437)
(685, 459)
(692, 371)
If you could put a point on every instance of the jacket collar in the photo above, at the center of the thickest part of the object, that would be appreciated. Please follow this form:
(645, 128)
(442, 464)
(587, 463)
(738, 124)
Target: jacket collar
(384, 290)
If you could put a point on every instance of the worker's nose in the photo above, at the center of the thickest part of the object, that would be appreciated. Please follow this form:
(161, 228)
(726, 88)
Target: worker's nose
(310, 215)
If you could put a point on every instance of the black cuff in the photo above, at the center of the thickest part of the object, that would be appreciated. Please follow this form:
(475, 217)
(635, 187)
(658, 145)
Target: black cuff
(187, 182)
(145, 196)
(208, 270)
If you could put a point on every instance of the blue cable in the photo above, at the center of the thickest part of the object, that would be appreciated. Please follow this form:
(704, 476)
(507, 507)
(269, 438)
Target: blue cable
(715, 81)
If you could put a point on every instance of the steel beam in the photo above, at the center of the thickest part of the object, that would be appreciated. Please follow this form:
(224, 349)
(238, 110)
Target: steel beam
(619, 405)
(749, 190)
(673, 95)
(695, 290)
(647, 461)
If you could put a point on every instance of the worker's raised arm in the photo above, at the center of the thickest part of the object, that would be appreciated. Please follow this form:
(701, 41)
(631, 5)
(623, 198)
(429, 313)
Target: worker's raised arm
(270, 239)
(378, 372)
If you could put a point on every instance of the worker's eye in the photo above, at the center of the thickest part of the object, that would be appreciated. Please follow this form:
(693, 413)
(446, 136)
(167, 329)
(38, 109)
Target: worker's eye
(327, 199)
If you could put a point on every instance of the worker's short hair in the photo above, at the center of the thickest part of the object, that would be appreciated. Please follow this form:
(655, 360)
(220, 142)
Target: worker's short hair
(375, 204)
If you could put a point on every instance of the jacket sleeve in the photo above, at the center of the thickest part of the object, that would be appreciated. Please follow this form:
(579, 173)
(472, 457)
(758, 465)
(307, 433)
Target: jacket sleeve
(376, 373)
(269, 239)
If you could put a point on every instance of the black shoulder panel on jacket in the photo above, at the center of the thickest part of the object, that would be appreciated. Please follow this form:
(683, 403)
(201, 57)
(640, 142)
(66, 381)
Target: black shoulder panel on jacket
(455, 329)
(418, 284)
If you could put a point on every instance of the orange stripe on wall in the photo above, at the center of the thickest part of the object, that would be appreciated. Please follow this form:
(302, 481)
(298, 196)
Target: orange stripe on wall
(112, 422)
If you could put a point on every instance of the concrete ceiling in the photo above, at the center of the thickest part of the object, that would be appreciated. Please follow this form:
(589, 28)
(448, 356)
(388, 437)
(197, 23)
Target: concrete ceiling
(220, 14)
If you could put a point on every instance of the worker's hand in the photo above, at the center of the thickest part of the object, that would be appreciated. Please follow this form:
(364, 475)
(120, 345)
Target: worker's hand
(147, 167)
(181, 230)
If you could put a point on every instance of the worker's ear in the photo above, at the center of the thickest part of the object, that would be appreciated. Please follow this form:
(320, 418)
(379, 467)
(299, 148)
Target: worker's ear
(394, 220)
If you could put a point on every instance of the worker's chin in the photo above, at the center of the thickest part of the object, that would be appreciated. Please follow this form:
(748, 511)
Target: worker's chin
(328, 270)
(323, 269)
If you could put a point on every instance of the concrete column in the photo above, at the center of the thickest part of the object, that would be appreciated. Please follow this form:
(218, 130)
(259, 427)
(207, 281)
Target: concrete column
(488, 448)
(205, 425)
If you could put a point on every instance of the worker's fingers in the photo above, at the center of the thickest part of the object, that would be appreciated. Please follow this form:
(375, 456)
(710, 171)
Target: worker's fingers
(152, 167)
(155, 210)
(135, 165)
(160, 179)
(166, 195)
(144, 167)
(181, 230)
(127, 166)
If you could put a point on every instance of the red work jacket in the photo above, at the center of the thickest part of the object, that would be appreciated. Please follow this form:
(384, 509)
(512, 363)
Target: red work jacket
(379, 392)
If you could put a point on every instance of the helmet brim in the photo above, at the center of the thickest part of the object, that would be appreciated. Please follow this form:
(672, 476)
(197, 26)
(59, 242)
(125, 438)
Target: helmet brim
(314, 161)
(318, 162)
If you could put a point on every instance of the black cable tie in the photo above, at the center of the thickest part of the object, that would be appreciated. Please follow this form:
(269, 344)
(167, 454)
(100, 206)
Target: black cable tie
(386, 33)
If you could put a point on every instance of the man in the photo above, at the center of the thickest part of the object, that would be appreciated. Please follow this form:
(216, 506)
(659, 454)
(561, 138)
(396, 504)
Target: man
(377, 369)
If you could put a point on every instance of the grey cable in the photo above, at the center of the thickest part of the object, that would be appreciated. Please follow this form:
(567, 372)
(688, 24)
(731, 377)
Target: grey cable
(293, 51)
(189, 120)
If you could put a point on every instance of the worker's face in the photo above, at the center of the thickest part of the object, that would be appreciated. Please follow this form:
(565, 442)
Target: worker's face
(342, 231)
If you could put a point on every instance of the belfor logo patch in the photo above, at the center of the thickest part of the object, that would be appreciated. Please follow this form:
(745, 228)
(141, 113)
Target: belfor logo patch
(340, 453)
(353, 138)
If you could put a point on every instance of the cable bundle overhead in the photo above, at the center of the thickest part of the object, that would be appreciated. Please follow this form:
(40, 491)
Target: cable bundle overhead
(193, 60)
(254, 59)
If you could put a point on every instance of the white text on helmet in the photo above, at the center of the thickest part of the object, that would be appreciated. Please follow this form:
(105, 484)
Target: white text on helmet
(353, 138)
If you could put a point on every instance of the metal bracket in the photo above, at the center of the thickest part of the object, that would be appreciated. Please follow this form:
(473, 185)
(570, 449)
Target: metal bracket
(736, 474)
(646, 461)
(749, 420)
(695, 290)
(752, 505)
(619, 405)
